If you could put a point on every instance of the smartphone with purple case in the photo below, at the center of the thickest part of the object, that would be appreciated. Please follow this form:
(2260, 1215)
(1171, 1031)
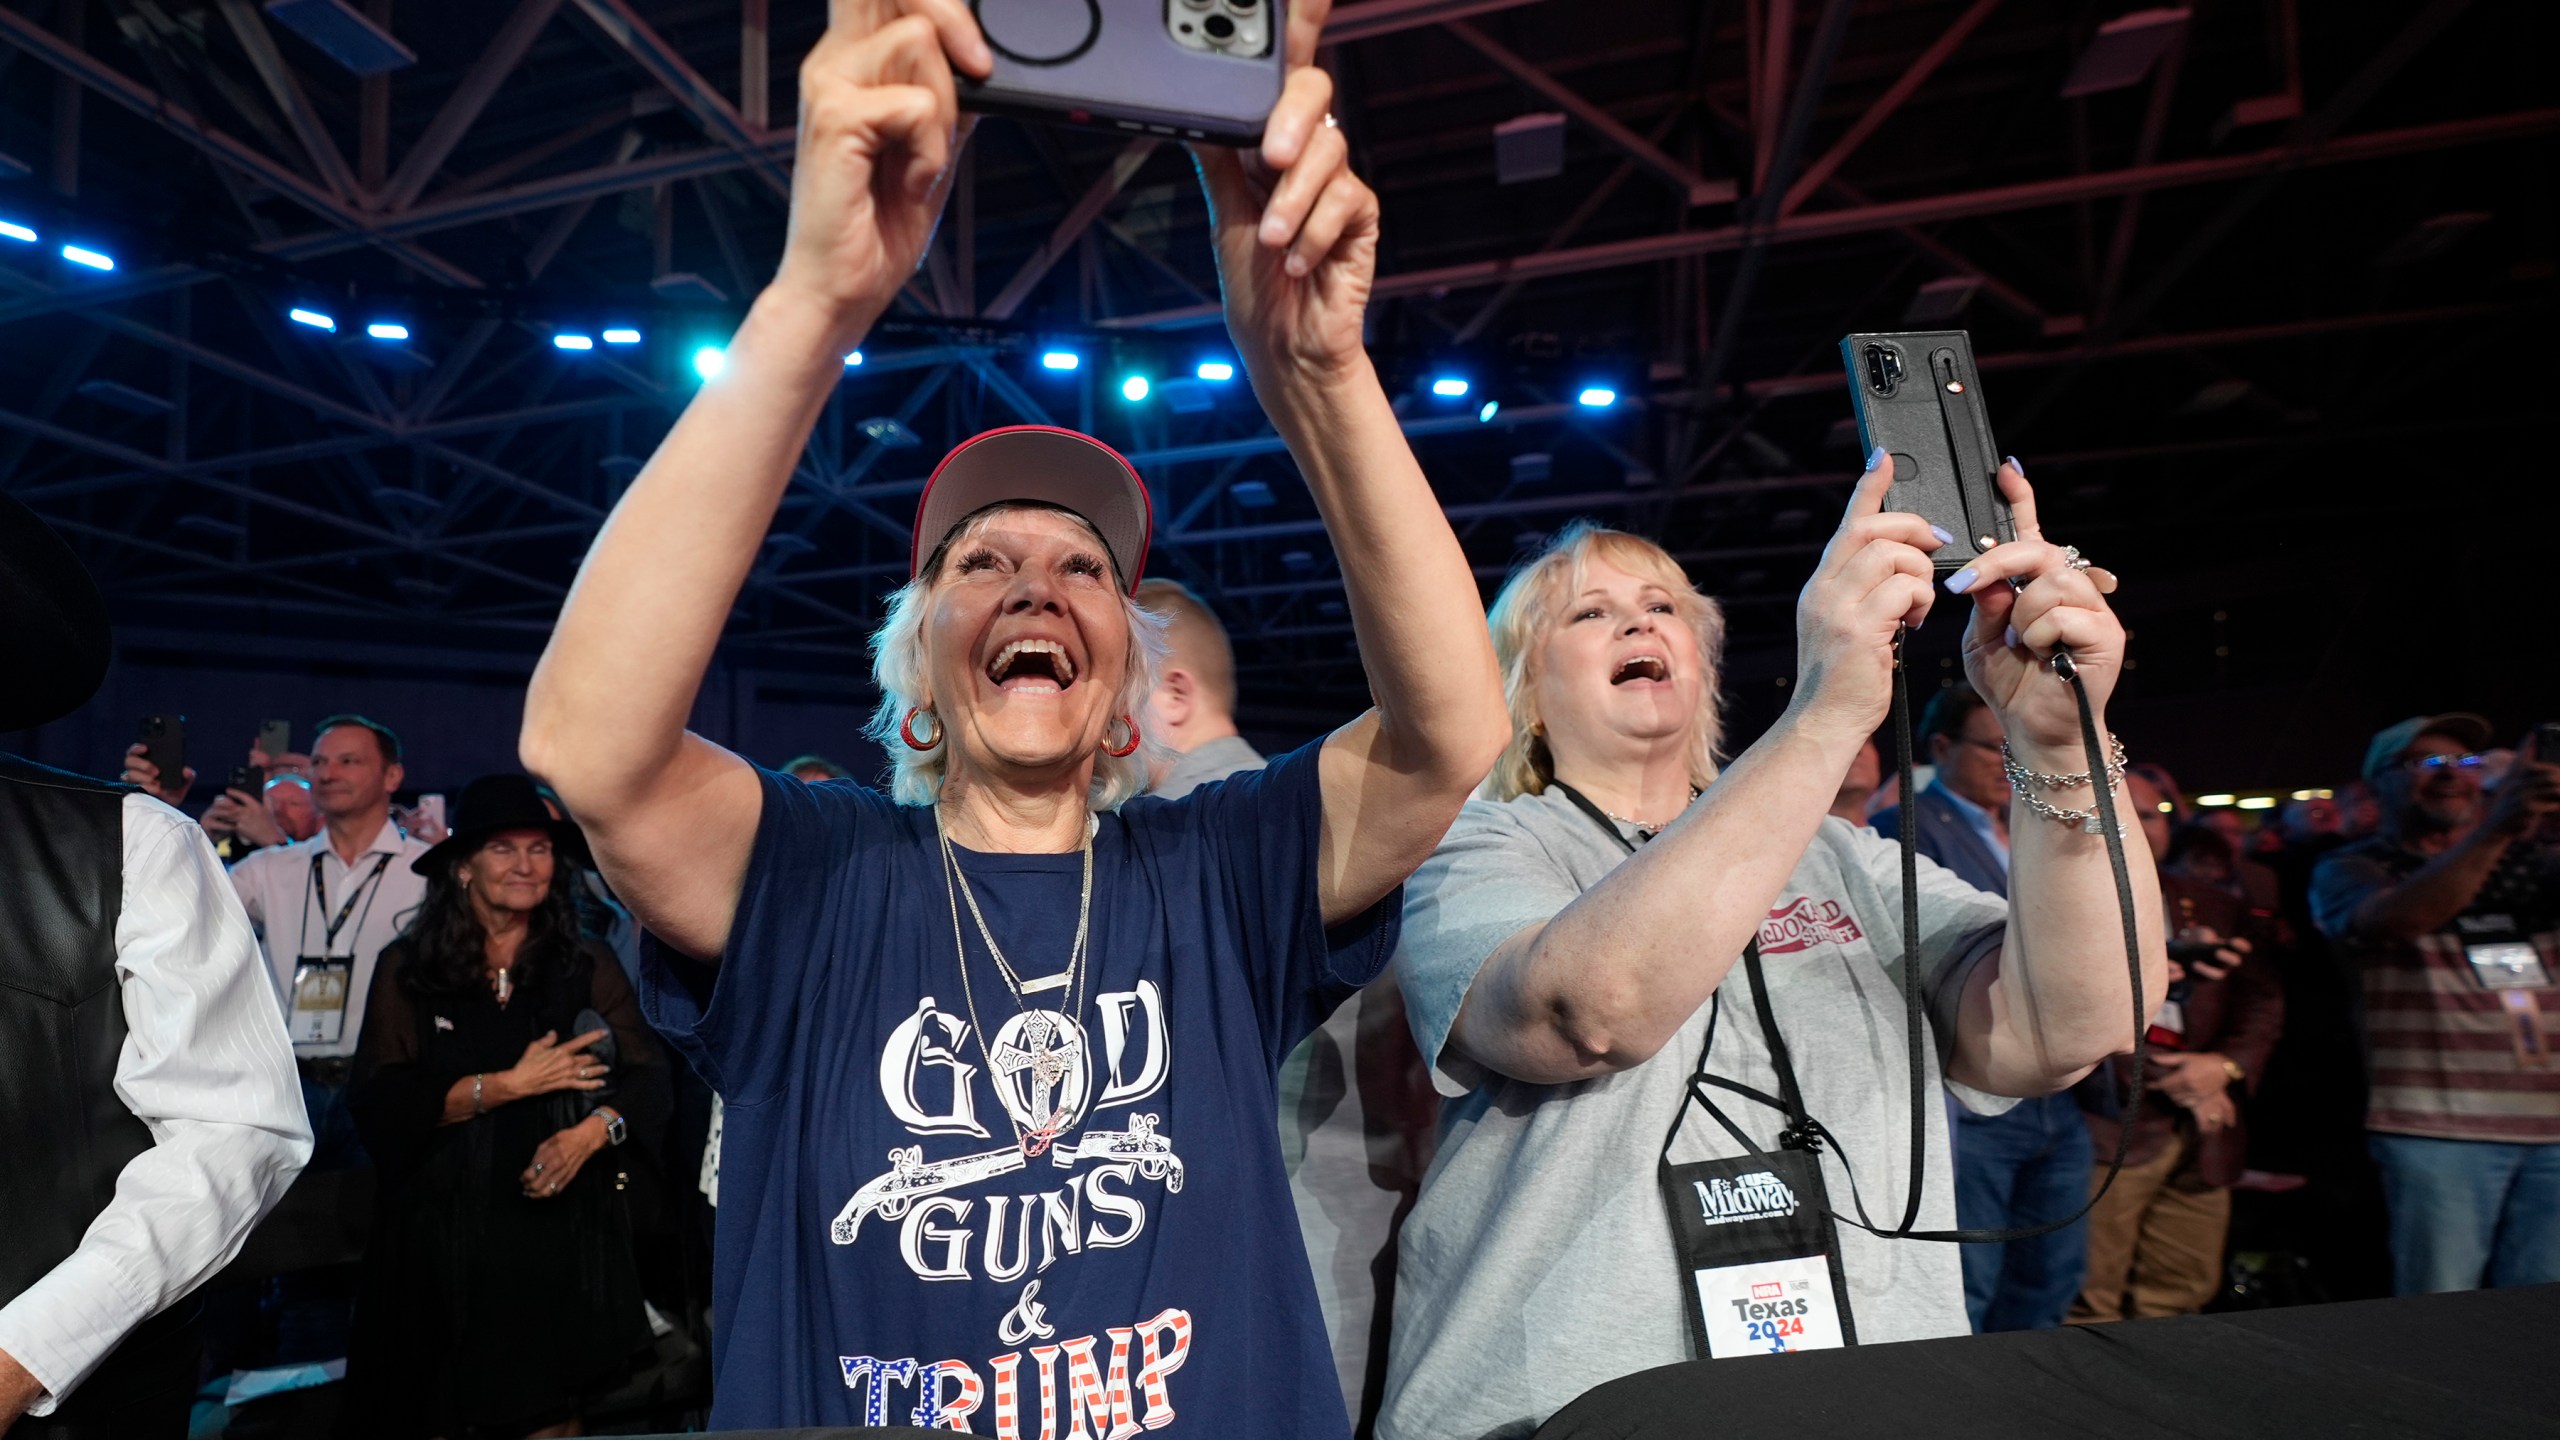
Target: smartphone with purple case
(1179, 69)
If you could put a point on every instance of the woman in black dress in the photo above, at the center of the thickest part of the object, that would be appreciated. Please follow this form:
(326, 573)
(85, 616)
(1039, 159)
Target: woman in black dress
(503, 1066)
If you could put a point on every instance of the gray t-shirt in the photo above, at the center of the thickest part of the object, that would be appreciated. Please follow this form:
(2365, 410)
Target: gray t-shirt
(1538, 1262)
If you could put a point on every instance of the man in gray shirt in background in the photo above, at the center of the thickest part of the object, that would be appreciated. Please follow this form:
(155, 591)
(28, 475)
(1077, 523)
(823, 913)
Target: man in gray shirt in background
(1193, 709)
(1356, 1105)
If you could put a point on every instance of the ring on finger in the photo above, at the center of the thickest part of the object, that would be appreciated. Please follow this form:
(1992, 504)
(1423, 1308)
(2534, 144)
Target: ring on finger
(2072, 557)
(1330, 123)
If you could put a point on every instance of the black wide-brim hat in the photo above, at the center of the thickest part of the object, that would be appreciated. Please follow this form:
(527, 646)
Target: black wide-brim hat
(54, 637)
(494, 803)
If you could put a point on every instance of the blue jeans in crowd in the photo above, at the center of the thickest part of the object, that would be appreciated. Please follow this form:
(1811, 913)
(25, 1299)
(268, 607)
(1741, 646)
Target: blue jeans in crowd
(2469, 1213)
(2023, 1168)
(335, 1143)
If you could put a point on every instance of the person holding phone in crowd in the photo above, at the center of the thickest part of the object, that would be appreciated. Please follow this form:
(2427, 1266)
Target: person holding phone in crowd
(1665, 997)
(504, 1066)
(997, 1049)
(2450, 913)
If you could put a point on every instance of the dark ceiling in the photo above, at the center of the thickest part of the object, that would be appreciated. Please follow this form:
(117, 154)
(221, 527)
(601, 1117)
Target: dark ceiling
(2261, 321)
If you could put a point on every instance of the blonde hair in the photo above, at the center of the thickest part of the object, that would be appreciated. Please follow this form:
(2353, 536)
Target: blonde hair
(1536, 596)
(898, 669)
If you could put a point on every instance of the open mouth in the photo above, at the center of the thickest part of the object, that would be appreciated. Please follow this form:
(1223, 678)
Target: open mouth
(1032, 667)
(1652, 668)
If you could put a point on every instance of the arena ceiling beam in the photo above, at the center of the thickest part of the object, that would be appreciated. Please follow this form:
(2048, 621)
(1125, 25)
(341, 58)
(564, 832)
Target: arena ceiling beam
(1931, 209)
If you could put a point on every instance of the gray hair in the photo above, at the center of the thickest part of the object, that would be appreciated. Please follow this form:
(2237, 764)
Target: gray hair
(898, 670)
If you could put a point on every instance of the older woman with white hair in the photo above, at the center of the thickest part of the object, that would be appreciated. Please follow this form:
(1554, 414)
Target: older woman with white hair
(1667, 1000)
(997, 1050)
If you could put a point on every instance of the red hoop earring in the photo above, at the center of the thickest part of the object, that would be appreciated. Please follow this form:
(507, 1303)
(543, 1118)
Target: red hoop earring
(1125, 751)
(907, 729)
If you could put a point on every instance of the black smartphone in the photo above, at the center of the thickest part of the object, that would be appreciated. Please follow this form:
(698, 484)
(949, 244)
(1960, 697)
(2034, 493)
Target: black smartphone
(1182, 69)
(2546, 743)
(164, 738)
(1919, 398)
(275, 738)
(247, 778)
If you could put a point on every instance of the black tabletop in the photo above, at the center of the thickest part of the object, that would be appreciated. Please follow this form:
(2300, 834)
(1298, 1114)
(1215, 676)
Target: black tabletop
(2481, 1365)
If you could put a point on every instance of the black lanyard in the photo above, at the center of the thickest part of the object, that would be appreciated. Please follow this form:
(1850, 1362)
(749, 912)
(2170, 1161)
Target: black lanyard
(363, 891)
(1802, 1131)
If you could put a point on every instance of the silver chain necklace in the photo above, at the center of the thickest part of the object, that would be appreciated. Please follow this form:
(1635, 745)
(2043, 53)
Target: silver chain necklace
(1650, 829)
(955, 886)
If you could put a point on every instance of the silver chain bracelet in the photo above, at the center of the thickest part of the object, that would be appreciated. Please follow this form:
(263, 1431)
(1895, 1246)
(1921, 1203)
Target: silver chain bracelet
(2025, 783)
(2022, 778)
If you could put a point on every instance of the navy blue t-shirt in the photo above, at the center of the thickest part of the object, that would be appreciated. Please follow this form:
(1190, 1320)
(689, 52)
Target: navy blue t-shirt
(1061, 1216)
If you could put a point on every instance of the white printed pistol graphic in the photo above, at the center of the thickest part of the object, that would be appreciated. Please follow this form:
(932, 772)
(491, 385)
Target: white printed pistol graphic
(1152, 1152)
(910, 1179)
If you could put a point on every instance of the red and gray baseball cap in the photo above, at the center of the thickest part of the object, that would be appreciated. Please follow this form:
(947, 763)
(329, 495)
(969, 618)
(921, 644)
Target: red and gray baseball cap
(1045, 465)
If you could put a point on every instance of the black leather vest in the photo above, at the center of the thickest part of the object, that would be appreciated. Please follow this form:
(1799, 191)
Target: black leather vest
(64, 1136)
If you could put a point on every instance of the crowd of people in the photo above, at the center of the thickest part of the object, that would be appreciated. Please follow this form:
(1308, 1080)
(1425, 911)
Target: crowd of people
(1515, 1036)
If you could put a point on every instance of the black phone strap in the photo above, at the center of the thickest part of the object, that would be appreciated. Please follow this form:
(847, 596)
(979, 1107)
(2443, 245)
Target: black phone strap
(1802, 1131)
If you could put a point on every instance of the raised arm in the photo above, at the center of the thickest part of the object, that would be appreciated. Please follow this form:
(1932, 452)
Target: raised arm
(1603, 985)
(2055, 1000)
(1297, 242)
(671, 816)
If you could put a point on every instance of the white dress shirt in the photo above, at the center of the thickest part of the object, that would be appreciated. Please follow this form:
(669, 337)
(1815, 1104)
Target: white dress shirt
(292, 916)
(206, 1067)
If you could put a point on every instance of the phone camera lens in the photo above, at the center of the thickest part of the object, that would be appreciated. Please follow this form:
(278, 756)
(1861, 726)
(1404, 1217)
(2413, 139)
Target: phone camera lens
(1242, 4)
(1884, 369)
(1219, 27)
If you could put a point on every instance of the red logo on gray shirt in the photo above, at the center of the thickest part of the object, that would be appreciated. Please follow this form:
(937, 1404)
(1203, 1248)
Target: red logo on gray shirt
(1805, 924)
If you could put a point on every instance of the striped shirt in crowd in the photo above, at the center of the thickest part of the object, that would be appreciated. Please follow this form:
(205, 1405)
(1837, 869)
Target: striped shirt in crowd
(2451, 1056)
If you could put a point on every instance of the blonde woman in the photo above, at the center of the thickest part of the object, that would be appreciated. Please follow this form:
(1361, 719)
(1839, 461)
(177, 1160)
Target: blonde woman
(1594, 931)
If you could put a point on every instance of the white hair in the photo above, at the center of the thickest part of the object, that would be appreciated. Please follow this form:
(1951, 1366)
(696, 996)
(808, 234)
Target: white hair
(898, 669)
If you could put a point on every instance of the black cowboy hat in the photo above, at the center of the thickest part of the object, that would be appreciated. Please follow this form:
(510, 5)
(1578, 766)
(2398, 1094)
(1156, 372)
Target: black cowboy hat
(54, 639)
(493, 803)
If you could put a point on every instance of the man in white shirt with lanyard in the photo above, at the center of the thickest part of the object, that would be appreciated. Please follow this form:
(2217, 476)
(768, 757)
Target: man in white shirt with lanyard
(325, 907)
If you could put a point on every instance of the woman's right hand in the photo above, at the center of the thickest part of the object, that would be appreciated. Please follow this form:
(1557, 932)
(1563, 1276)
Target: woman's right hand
(879, 132)
(551, 1063)
(1874, 576)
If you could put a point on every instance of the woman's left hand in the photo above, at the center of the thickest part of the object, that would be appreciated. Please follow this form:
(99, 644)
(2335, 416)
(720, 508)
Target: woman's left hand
(2010, 644)
(1296, 232)
(557, 1160)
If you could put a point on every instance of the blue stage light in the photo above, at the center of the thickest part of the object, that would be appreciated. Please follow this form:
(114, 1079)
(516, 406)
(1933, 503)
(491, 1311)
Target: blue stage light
(852, 359)
(1134, 388)
(82, 255)
(622, 335)
(709, 361)
(1486, 411)
(1598, 397)
(1216, 370)
(1060, 360)
(1449, 387)
(574, 342)
(387, 330)
(313, 318)
(16, 231)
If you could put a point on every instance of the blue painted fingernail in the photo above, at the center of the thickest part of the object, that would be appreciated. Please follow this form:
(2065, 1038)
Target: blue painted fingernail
(1876, 460)
(2014, 465)
(2011, 636)
(1943, 537)
(1961, 581)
